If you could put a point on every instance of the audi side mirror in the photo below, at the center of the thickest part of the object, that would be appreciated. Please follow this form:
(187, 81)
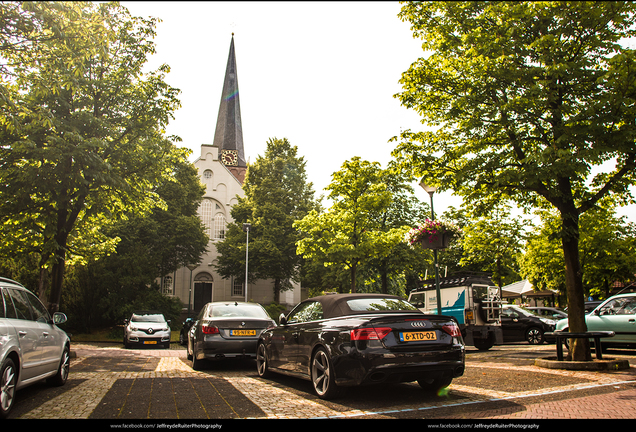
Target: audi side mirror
(282, 319)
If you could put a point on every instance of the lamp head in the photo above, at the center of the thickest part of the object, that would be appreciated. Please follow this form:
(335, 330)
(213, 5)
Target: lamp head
(430, 189)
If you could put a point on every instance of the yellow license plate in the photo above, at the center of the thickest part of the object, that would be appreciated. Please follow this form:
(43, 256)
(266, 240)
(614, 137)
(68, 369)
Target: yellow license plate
(242, 332)
(150, 342)
(418, 336)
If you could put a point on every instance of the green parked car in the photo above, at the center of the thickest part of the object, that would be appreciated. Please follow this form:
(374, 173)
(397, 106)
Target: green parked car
(617, 314)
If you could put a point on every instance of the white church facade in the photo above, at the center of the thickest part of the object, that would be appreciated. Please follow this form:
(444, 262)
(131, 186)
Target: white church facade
(221, 167)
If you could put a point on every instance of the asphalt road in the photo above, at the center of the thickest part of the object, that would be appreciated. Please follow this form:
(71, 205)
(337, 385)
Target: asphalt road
(120, 386)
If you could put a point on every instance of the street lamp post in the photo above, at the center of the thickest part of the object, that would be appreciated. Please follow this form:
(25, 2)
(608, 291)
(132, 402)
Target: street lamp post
(431, 190)
(191, 267)
(246, 228)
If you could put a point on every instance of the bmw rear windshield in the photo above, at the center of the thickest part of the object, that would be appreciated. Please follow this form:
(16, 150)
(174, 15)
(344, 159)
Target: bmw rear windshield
(229, 310)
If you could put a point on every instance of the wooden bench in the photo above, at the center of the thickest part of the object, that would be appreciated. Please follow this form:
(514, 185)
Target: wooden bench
(596, 335)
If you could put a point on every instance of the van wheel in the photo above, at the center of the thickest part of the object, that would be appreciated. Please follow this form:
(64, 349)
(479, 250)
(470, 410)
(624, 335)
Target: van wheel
(484, 344)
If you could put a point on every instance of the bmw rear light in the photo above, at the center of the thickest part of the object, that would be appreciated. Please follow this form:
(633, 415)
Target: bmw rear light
(209, 329)
(370, 333)
(452, 329)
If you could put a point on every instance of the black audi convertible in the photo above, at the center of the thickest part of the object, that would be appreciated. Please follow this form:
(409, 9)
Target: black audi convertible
(342, 340)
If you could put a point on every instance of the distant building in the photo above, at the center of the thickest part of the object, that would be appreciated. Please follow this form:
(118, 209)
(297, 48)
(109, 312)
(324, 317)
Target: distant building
(222, 167)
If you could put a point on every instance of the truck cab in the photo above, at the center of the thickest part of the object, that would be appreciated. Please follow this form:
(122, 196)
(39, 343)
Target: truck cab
(474, 301)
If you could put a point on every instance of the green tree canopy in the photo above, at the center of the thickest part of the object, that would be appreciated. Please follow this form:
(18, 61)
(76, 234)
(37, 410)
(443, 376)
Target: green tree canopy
(82, 129)
(526, 101)
(276, 195)
(101, 291)
(365, 224)
(606, 247)
(493, 243)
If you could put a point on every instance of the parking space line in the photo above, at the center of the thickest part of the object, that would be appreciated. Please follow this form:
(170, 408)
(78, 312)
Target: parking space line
(224, 399)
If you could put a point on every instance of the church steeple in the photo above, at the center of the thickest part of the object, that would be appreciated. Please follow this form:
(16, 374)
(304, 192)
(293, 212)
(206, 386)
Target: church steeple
(228, 136)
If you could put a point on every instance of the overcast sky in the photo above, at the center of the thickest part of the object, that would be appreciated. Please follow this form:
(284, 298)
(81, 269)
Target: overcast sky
(321, 74)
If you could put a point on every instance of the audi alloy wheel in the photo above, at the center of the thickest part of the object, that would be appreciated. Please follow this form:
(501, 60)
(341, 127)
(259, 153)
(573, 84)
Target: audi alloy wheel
(322, 376)
(261, 361)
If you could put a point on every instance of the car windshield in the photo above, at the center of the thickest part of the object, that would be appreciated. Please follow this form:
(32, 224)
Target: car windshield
(152, 317)
(236, 310)
(379, 304)
(524, 311)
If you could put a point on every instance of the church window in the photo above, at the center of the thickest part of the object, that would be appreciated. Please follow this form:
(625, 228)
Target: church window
(219, 226)
(205, 213)
(207, 176)
(168, 287)
(237, 288)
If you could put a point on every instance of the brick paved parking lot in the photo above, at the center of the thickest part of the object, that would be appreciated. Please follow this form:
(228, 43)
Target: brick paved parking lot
(110, 383)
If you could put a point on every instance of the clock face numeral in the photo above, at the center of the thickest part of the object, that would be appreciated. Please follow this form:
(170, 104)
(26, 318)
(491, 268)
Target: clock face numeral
(229, 157)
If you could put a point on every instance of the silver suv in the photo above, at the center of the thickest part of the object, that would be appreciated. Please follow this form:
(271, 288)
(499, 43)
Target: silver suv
(32, 347)
(148, 328)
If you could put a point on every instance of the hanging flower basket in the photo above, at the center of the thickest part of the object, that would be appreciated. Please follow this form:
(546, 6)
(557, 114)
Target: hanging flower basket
(441, 241)
(433, 234)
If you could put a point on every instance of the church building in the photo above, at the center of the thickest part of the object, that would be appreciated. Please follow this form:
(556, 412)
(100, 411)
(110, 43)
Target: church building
(222, 167)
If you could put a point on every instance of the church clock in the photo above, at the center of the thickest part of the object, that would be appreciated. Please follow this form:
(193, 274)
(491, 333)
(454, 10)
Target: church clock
(229, 157)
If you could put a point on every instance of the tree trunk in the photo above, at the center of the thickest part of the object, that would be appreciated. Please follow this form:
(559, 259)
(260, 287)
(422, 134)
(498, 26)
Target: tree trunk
(57, 277)
(579, 348)
(42, 284)
(57, 273)
(499, 278)
(277, 290)
(353, 278)
(385, 282)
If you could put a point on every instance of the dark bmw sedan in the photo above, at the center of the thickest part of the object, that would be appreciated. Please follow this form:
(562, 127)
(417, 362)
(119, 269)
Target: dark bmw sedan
(226, 330)
(342, 340)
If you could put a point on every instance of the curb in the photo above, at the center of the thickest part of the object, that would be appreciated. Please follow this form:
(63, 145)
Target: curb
(594, 365)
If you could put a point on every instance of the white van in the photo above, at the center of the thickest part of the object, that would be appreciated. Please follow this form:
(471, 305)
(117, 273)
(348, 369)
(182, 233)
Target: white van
(474, 301)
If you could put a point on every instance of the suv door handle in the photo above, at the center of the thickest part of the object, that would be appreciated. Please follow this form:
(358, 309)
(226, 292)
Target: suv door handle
(22, 333)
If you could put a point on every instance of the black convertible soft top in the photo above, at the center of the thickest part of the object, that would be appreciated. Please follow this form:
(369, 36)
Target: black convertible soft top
(335, 305)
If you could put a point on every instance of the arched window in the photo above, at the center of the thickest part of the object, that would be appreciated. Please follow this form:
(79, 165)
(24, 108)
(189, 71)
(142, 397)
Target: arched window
(205, 213)
(219, 226)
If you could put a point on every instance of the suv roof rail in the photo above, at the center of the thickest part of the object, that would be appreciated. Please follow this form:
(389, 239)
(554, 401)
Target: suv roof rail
(3, 279)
